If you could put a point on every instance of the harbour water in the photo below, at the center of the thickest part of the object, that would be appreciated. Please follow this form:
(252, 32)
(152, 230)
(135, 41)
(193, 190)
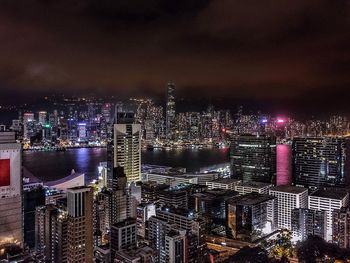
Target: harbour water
(55, 165)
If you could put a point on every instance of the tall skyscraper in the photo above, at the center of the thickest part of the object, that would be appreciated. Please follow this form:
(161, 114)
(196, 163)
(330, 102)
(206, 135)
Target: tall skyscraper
(11, 216)
(51, 233)
(80, 224)
(321, 161)
(170, 111)
(253, 158)
(28, 118)
(127, 146)
(42, 117)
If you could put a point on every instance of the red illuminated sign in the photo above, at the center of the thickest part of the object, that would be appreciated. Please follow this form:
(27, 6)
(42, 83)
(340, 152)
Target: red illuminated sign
(4, 172)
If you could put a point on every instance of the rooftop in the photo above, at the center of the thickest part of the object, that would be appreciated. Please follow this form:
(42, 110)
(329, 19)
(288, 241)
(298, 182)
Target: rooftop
(255, 184)
(225, 181)
(289, 189)
(251, 199)
(337, 194)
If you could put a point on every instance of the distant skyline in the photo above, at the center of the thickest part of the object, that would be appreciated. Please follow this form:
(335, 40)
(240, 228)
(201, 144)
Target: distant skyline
(279, 55)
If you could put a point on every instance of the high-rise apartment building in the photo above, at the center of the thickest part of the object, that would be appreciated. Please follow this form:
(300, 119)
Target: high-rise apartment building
(253, 158)
(341, 227)
(321, 161)
(307, 222)
(123, 236)
(170, 111)
(288, 198)
(127, 146)
(80, 224)
(11, 215)
(329, 200)
(51, 233)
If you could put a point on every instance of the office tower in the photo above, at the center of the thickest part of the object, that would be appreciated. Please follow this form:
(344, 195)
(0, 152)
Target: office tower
(80, 224)
(169, 241)
(141, 254)
(284, 165)
(32, 198)
(174, 196)
(103, 214)
(320, 161)
(11, 215)
(149, 130)
(170, 111)
(174, 243)
(143, 214)
(341, 227)
(123, 236)
(249, 217)
(150, 191)
(42, 117)
(288, 198)
(127, 146)
(307, 222)
(119, 197)
(82, 132)
(28, 118)
(253, 158)
(211, 205)
(194, 225)
(51, 243)
(329, 200)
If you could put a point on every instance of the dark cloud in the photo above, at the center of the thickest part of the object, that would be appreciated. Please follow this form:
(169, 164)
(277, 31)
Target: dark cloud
(268, 50)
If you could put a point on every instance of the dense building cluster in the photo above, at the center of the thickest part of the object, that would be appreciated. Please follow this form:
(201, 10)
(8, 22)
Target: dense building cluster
(151, 213)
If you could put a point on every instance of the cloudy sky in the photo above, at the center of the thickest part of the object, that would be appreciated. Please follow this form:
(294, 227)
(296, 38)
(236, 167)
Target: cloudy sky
(286, 51)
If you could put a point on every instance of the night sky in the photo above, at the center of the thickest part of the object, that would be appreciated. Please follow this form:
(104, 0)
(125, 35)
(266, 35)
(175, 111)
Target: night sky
(278, 54)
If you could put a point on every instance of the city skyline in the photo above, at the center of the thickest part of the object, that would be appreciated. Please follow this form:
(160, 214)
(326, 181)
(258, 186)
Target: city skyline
(274, 53)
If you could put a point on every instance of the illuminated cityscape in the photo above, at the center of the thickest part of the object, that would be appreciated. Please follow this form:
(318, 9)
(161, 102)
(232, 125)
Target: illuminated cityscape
(195, 131)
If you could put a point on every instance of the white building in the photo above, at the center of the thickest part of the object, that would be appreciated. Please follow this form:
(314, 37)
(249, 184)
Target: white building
(329, 200)
(174, 178)
(288, 198)
(252, 187)
(223, 183)
(11, 217)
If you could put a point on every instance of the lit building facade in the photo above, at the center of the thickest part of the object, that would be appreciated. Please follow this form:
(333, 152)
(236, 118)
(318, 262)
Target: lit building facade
(11, 216)
(320, 161)
(170, 111)
(307, 222)
(288, 198)
(253, 158)
(328, 201)
(127, 149)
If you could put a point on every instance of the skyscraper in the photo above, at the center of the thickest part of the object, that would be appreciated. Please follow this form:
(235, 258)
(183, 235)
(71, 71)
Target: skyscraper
(170, 111)
(80, 224)
(11, 216)
(288, 198)
(127, 146)
(42, 117)
(253, 158)
(320, 161)
(307, 222)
